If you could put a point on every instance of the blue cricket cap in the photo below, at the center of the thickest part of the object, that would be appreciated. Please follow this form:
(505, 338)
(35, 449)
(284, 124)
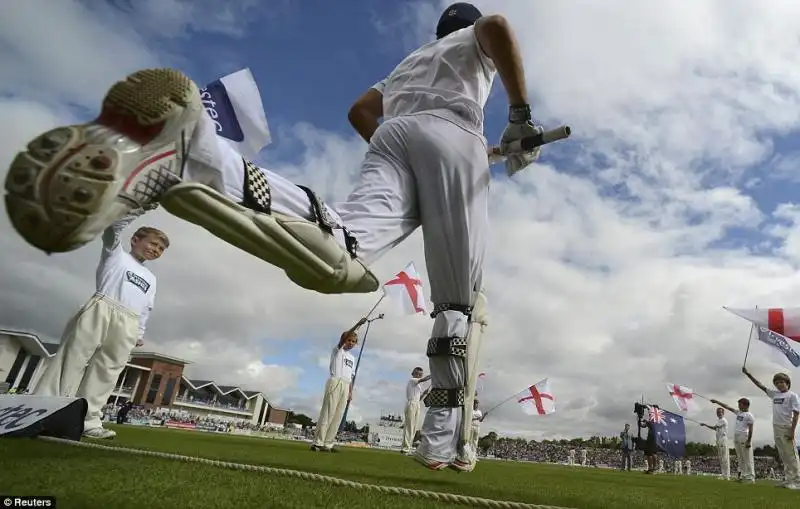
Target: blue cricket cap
(456, 17)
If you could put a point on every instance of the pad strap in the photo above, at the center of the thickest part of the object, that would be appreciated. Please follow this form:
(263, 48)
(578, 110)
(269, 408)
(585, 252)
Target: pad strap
(461, 308)
(257, 195)
(327, 223)
(453, 346)
(448, 398)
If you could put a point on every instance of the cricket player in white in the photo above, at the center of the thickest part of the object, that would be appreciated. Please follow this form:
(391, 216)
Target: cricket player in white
(98, 340)
(742, 438)
(723, 453)
(338, 390)
(785, 412)
(411, 411)
(584, 457)
(427, 166)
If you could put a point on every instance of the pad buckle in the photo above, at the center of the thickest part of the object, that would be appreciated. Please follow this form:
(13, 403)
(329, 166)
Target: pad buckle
(445, 398)
(327, 223)
(454, 346)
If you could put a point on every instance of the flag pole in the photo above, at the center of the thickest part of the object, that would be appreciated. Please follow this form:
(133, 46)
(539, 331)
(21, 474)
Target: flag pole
(749, 340)
(358, 363)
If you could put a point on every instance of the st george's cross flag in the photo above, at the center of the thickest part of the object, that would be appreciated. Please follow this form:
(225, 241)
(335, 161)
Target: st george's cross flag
(405, 290)
(537, 399)
(683, 397)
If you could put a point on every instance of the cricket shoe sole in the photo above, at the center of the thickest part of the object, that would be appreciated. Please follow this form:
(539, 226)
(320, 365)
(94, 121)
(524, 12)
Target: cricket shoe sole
(74, 181)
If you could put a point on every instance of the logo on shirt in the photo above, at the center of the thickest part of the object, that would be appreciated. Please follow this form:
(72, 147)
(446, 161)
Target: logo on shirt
(778, 401)
(348, 363)
(137, 281)
(219, 107)
(739, 417)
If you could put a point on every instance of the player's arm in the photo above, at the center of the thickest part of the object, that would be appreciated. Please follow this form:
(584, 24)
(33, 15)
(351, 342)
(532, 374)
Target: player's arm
(112, 235)
(749, 434)
(497, 40)
(753, 379)
(145, 315)
(795, 414)
(351, 330)
(723, 405)
(366, 112)
(423, 379)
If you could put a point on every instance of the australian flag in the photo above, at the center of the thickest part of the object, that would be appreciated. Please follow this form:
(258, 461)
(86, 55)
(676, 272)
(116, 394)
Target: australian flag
(670, 432)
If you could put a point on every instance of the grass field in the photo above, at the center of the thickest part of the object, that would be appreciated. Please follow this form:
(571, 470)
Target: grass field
(87, 479)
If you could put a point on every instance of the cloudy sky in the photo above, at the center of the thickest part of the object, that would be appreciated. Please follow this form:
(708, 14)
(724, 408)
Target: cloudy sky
(609, 260)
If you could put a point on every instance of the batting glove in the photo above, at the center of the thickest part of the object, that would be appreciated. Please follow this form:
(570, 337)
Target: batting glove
(520, 126)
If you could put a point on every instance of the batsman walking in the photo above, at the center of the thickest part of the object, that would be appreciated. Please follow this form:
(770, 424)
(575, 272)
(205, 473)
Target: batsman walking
(427, 166)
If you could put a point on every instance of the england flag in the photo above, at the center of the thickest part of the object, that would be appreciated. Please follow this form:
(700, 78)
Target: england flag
(405, 290)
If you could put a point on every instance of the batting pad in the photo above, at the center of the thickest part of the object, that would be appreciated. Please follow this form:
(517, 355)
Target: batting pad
(310, 257)
(477, 324)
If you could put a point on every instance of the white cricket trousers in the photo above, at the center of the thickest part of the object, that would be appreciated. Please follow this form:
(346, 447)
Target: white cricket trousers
(330, 415)
(744, 455)
(410, 425)
(94, 349)
(420, 170)
(787, 450)
(724, 456)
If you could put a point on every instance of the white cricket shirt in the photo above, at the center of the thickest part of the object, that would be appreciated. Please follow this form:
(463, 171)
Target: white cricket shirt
(121, 278)
(451, 77)
(740, 430)
(342, 364)
(476, 417)
(413, 391)
(722, 430)
(783, 404)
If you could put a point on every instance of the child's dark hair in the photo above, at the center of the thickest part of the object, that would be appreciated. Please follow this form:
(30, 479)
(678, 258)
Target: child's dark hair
(744, 402)
(782, 377)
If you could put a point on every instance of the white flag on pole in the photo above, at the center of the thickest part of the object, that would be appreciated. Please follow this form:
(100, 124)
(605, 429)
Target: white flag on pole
(234, 104)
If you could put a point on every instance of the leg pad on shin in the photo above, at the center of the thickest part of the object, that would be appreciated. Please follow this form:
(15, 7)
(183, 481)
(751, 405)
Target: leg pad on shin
(310, 256)
(478, 322)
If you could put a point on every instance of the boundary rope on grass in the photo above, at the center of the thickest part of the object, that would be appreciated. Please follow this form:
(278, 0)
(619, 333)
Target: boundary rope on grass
(308, 476)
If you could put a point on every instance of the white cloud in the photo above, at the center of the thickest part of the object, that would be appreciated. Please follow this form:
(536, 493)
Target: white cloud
(610, 297)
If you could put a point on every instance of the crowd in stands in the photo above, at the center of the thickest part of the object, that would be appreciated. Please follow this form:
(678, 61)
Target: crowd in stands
(541, 452)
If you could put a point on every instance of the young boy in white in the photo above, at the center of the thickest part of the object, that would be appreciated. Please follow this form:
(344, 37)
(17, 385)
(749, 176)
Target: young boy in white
(742, 438)
(338, 390)
(98, 340)
(785, 411)
(477, 419)
(723, 453)
(411, 411)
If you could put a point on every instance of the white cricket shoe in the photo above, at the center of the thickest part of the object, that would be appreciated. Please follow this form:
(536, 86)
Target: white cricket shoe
(99, 432)
(73, 181)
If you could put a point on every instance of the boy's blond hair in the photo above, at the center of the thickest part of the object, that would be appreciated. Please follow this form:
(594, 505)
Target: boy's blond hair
(146, 231)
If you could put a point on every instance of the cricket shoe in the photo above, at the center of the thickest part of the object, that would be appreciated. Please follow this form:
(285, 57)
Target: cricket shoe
(430, 464)
(99, 432)
(72, 182)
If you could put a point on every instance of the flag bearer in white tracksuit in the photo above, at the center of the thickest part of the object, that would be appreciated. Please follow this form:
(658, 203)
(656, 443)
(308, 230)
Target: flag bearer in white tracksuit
(338, 390)
(743, 439)
(98, 340)
(785, 412)
(477, 419)
(411, 414)
(723, 453)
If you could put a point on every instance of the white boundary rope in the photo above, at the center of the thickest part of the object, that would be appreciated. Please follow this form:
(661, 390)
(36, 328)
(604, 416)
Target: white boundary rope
(308, 476)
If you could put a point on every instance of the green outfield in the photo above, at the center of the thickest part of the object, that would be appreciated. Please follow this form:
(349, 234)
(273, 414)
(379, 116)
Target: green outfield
(87, 479)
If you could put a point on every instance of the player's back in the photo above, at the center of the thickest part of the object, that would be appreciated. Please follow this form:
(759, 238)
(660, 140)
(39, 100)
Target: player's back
(451, 75)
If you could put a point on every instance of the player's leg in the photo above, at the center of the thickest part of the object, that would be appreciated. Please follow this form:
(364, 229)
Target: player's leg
(324, 417)
(409, 427)
(338, 404)
(72, 182)
(106, 364)
(453, 176)
(319, 248)
(788, 454)
(80, 339)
